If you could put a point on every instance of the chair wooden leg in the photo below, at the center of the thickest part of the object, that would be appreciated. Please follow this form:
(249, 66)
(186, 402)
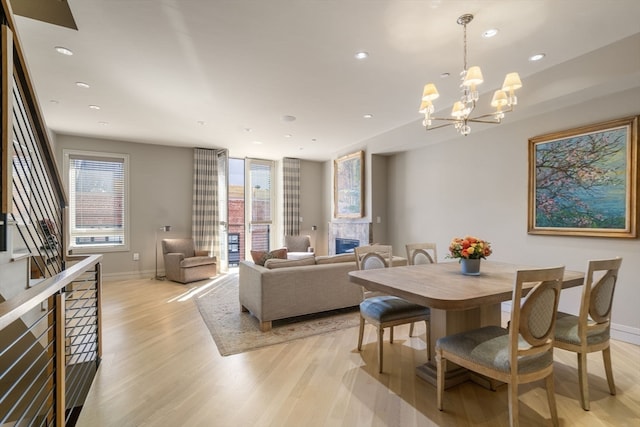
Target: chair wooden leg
(380, 342)
(441, 365)
(512, 390)
(361, 333)
(428, 337)
(583, 380)
(391, 334)
(606, 357)
(551, 397)
(411, 329)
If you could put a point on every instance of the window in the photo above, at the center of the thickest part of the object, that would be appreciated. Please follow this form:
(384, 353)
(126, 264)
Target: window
(97, 184)
(260, 179)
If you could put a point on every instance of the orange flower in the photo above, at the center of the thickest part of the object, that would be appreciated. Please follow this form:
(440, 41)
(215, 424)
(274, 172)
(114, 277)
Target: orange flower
(469, 247)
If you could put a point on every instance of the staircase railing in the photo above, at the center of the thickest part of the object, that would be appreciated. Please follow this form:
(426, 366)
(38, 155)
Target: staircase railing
(50, 347)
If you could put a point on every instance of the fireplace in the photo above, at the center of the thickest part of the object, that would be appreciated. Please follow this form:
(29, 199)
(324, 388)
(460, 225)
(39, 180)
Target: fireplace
(355, 233)
(344, 246)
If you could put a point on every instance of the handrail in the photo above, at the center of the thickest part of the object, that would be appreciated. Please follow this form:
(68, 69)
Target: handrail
(14, 308)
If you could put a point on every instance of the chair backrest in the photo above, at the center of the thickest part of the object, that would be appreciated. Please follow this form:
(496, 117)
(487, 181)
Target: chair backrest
(181, 246)
(597, 295)
(421, 253)
(300, 243)
(533, 319)
(374, 256)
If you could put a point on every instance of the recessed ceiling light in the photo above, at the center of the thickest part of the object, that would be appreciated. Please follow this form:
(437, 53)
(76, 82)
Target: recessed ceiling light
(361, 55)
(94, 107)
(288, 118)
(83, 85)
(248, 130)
(491, 32)
(537, 57)
(201, 122)
(287, 135)
(63, 50)
(257, 142)
(54, 101)
(314, 139)
(368, 116)
(444, 75)
(103, 123)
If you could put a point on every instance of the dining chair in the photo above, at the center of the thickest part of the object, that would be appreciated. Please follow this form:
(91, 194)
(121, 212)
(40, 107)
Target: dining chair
(385, 311)
(589, 330)
(521, 354)
(421, 253)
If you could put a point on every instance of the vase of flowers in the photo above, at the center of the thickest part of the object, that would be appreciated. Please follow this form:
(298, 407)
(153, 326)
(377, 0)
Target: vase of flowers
(469, 250)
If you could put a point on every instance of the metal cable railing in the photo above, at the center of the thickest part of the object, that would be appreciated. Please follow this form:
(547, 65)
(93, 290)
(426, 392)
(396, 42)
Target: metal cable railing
(50, 347)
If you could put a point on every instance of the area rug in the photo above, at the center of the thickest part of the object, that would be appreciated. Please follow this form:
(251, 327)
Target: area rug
(235, 332)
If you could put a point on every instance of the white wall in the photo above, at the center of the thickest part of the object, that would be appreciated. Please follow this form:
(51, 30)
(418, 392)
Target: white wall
(479, 184)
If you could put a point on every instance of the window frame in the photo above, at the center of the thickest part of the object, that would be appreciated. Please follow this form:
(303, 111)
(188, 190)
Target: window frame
(68, 154)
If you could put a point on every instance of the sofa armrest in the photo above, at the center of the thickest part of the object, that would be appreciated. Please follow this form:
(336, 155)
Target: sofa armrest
(172, 264)
(250, 287)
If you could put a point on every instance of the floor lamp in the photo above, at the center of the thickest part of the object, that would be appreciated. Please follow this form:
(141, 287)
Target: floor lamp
(164, 229)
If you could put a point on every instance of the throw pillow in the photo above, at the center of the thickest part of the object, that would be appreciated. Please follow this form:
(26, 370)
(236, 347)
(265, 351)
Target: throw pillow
(259, 257)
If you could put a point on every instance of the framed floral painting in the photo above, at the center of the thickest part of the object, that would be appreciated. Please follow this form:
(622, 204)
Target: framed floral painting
(584, 181)
(347, 186)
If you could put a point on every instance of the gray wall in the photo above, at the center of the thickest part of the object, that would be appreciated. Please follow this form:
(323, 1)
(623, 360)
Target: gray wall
(160, 194)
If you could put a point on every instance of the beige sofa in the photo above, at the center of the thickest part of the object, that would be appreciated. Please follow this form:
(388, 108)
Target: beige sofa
(290, 288)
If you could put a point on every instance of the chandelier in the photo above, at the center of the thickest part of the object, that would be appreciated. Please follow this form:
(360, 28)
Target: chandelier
(503, 100)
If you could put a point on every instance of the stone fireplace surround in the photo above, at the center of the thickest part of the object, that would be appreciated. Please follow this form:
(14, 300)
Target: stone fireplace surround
(362, 231)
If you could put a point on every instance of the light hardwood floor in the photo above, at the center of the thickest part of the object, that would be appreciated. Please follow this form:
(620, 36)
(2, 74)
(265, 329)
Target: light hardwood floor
(161, 367)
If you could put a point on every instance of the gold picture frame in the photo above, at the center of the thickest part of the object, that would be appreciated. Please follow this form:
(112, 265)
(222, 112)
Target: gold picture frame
(348, 198)
(584, 181)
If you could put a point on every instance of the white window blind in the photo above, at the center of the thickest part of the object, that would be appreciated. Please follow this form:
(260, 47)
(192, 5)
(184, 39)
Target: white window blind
(98, 202)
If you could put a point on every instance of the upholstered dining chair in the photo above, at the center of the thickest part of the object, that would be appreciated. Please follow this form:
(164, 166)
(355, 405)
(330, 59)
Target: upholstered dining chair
(589, 330)
(385, 311)
(421, 253)
(521, 354)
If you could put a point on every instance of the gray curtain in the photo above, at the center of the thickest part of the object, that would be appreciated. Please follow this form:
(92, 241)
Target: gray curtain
(205, 200)
(291, 179)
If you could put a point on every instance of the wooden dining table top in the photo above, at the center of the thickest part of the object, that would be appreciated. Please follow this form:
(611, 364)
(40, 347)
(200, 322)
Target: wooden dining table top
(443, 286)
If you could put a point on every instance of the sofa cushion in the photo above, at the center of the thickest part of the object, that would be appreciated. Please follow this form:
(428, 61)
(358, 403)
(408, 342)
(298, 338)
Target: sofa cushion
(332, 259)
(281, 263)
(197, 261)
(259, 257)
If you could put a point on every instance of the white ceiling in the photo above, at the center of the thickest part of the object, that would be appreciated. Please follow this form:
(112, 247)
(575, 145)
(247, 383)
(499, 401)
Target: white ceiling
(159, 68)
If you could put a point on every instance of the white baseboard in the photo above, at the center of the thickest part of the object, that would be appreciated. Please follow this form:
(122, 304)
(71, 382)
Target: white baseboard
(129, 275)
(625, 333)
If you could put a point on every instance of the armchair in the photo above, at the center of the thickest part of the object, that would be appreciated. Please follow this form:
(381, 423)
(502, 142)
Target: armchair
(182, 263)
(298, 246)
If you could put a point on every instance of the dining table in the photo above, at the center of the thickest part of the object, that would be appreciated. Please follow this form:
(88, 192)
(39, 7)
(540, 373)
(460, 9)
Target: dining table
(458, 302)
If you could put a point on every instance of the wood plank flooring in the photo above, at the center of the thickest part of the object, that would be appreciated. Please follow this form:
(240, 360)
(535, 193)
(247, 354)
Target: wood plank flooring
(161, 367)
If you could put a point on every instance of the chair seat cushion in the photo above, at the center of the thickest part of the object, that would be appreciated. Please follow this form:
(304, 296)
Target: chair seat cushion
(197, 261)
(389, 308)
(567, 331)
(489, 346)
